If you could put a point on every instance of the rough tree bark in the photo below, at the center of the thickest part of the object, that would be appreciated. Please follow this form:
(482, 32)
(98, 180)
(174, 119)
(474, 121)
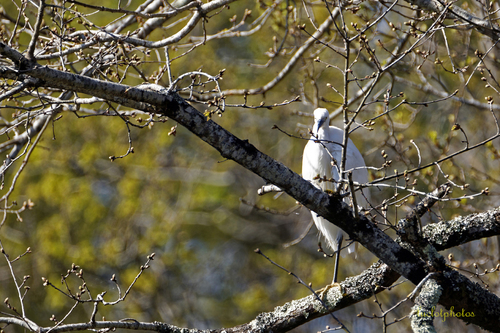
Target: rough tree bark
(458, 291)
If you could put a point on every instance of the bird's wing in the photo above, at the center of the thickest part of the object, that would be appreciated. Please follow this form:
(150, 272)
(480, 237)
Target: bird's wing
(316, 161)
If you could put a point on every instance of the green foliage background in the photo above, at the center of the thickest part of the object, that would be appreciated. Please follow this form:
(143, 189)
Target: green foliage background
(177, 197)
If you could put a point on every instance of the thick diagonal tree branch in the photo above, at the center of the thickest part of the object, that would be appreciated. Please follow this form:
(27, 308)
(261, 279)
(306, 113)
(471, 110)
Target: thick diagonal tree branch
(241, 151)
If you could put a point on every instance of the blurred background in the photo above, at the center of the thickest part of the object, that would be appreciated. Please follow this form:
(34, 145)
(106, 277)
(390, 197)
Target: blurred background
(201, 215)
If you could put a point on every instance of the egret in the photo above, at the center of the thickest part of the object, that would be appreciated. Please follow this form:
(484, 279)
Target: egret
(321, 159)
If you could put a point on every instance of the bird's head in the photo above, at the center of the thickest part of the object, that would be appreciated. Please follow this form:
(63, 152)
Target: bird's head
(321, 118)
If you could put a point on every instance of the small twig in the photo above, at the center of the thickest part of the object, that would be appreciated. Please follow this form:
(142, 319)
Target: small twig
(301, 236)
(13, 274)
(308, 286)
(34, 38)
(418, 152)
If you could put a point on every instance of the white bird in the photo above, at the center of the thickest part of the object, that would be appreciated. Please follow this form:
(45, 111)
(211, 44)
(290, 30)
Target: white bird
(322, 157)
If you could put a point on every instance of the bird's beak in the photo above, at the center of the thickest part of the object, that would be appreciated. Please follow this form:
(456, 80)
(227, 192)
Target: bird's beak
(318, 126)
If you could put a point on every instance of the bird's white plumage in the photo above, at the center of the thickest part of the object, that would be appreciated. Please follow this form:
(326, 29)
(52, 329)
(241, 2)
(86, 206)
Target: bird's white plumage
(317, 161)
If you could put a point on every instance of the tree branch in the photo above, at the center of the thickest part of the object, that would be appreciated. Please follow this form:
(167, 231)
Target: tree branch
(283, 319)
(325, 26)
(463, 229)
(455, 12)
(330, 207)
(106, 36)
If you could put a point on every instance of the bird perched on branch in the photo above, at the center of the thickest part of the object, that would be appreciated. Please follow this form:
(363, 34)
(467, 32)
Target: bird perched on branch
(322, 160)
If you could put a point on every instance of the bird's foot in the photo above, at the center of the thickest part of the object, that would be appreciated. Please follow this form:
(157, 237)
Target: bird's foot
(323, 291)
